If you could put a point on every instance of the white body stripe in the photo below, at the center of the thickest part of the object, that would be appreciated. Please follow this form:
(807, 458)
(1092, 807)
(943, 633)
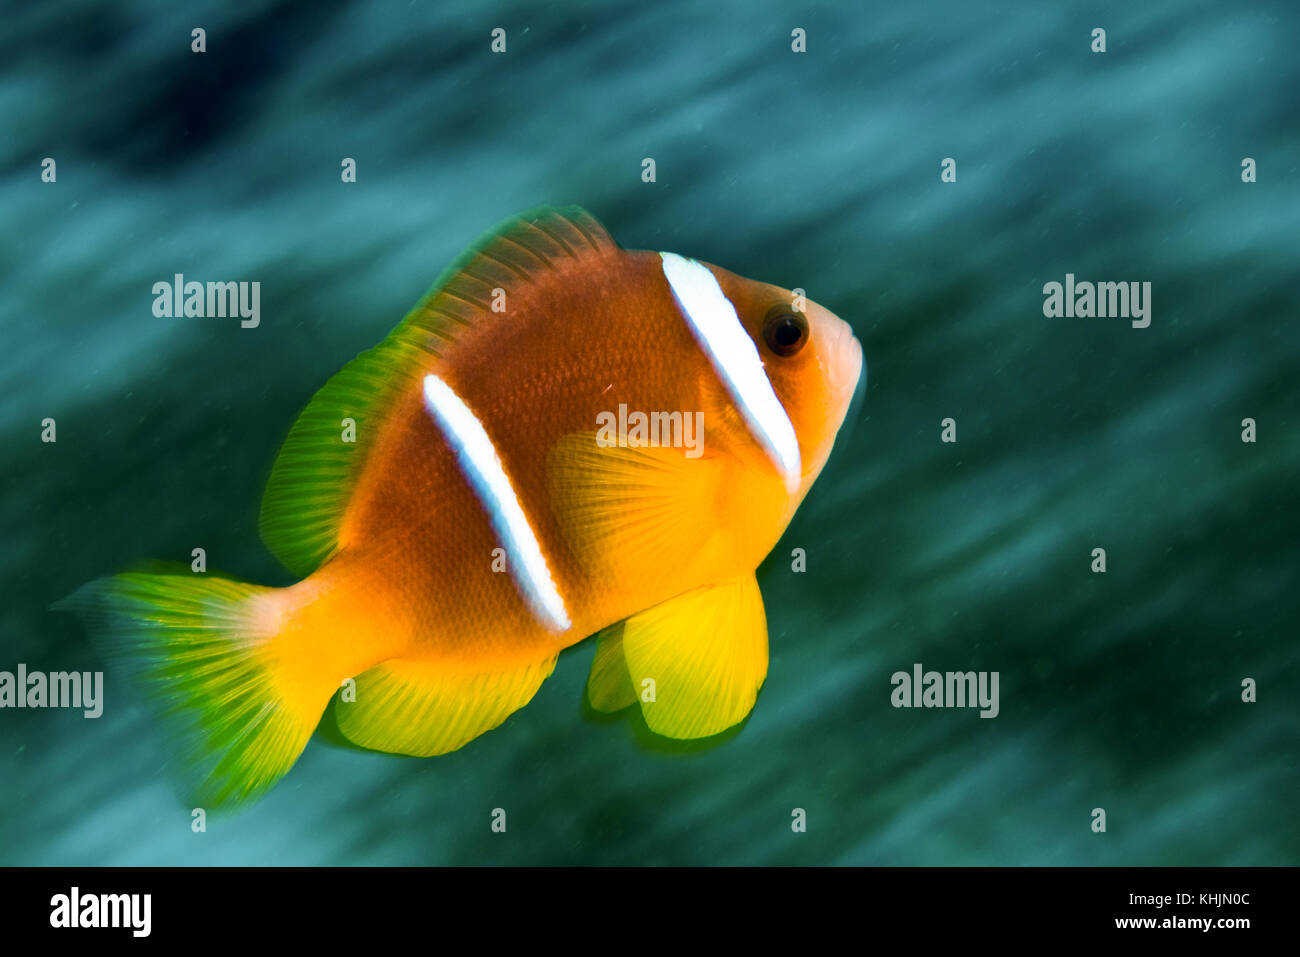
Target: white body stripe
(478, 459)
(718, 329)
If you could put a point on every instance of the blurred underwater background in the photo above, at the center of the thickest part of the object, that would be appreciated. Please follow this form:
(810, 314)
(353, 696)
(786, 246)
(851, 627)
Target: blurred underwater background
(819, 170)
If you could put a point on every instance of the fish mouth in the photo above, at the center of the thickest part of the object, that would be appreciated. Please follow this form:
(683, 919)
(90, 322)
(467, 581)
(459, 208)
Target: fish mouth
(849, 379)
(849, 373)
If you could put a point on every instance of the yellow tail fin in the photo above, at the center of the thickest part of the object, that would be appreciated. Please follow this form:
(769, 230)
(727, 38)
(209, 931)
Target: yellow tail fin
(202, 650)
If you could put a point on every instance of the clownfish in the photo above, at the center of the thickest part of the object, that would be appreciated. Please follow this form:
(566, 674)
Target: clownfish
(562, 439)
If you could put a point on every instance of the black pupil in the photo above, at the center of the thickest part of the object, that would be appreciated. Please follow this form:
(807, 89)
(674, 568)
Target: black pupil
(787, 333)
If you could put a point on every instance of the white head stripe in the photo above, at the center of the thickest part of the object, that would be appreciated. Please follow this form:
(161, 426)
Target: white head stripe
(479, 461)
(718, 330)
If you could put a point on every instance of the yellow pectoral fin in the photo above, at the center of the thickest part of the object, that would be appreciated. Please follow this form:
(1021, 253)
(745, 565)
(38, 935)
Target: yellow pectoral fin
(408, 706)
(697, 661)
(630, 512)
(609, 688)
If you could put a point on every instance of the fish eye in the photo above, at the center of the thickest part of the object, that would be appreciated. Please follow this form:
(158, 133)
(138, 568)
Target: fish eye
(785, 331)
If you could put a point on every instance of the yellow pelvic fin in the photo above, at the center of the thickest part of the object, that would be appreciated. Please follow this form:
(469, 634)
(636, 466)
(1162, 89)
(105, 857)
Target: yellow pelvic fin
(609, 688)
(696, 662)
(421, 708)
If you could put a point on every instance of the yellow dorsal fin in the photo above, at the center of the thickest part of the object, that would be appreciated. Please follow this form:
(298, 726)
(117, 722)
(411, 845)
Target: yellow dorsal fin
(517, 251)
(317, 468)
(419, 707)
(694, 663)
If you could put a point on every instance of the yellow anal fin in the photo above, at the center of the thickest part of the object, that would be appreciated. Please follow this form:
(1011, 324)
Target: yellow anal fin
(421, 708)
(609, 687)
(695, 663)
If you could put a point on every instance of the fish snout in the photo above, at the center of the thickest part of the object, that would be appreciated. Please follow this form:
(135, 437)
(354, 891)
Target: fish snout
(847, 372)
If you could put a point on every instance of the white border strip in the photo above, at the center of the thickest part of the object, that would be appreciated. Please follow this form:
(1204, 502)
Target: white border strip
(479, 461)
(718, 329)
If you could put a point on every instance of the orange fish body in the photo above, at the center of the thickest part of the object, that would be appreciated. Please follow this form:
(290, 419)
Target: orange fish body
(562, 438)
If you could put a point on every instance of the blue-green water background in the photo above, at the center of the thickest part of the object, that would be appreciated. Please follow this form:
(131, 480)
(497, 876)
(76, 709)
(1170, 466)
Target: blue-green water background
(820, 170)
